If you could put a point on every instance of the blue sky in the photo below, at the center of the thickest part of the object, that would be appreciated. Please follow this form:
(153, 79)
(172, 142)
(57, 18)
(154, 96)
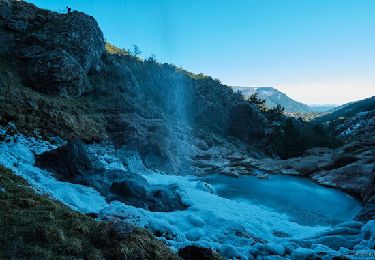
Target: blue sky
(317, 51)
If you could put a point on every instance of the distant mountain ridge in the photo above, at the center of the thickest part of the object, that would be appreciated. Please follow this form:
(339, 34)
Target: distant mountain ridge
(274, 97)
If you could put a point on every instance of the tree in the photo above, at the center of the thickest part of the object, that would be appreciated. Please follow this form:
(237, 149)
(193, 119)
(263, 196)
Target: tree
(276, 113)
(152, 58)
(136, 51)
(260, 103)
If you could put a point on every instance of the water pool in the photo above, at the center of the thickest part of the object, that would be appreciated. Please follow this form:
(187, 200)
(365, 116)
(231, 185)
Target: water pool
(304, 201)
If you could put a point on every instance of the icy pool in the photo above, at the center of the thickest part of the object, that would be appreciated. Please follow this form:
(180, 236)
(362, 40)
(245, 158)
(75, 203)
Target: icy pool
(304, 201)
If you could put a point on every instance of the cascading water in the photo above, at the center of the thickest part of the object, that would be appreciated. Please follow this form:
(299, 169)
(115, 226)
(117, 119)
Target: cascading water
(179, 125)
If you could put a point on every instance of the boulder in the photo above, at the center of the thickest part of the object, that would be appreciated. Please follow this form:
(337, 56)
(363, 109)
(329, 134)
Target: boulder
(137, 192)
(195, 252)
(66, 162)
(367, 213)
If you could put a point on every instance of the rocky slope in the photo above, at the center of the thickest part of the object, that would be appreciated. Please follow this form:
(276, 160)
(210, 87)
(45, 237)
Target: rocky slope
(353, 120)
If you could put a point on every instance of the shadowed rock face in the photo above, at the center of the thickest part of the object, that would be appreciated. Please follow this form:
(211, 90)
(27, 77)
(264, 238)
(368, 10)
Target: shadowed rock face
(56, 51)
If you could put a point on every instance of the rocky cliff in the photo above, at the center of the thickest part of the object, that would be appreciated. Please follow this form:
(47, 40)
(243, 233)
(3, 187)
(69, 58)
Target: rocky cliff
(54, 52)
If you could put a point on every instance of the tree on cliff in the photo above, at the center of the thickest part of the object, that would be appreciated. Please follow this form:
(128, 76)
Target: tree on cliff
(136, 51)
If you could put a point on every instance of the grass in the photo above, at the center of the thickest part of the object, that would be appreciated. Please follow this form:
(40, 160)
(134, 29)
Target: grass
(34, 226)
(111, 49)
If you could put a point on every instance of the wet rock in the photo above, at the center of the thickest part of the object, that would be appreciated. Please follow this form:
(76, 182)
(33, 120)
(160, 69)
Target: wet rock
(229, 172)
(206, 187)
(66, 162)
(73, 162)
(195, 252)
(129, 190)
(367, 213)
(139, 193)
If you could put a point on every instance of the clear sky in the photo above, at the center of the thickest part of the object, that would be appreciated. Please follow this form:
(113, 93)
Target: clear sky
(317, 51)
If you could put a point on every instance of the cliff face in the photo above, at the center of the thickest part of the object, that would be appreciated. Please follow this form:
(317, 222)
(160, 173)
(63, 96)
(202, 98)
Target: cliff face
(54, 51)
(58, 78)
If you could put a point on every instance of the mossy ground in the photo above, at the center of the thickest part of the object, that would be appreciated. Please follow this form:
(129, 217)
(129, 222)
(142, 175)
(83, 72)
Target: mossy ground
(35, 226)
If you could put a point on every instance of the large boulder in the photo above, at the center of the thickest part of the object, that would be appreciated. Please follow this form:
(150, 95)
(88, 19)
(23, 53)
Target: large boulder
(67, 162)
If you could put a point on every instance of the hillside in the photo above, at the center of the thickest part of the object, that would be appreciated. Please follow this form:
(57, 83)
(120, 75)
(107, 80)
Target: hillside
(274, 97)
(352, 120)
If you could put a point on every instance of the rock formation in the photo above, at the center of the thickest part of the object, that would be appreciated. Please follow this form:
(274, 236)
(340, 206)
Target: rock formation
(55, 51)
